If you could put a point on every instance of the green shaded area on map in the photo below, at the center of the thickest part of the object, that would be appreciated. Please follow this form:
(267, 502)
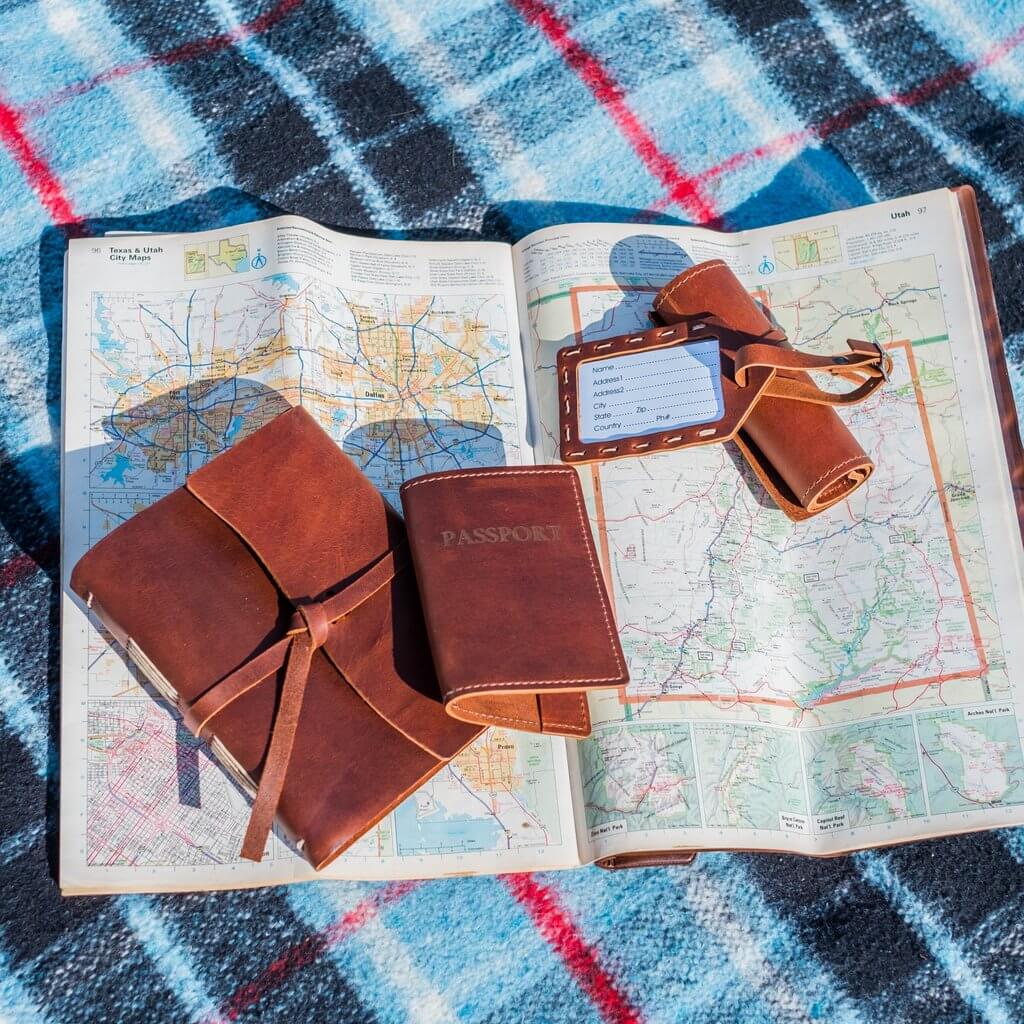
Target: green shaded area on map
(971, 761)
(867, 771)
(642, 775)
(750, 774)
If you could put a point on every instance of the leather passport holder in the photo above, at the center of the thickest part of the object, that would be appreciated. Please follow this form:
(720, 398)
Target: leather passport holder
(272, 600)
(519, 621)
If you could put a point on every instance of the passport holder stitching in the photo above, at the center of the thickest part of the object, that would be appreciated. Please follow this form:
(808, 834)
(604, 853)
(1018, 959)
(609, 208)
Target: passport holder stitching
(522, 721)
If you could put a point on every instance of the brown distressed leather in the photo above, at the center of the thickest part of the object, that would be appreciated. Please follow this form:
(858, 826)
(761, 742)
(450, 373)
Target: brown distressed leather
(711, 292)
(803, 453)
(755, 373)
(967, 202)
(519, 621)
(273, 596)
(651, 859)
(739, 401)
(779, 418)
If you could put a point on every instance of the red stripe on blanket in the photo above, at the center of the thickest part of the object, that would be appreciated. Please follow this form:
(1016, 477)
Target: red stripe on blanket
(308, 951)
(184, 52)
(38, 173)
(857, 112)
(561, 933)
(682, 188)
(17, 568)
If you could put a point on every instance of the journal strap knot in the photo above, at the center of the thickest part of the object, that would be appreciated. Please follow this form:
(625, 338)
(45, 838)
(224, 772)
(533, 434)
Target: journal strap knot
(308, 631)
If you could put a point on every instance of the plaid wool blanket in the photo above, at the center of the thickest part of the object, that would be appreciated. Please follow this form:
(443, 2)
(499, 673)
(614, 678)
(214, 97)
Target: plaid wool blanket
(478, 118)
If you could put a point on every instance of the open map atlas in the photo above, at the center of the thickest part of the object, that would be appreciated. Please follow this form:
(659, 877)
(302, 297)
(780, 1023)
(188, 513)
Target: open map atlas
(813, 687)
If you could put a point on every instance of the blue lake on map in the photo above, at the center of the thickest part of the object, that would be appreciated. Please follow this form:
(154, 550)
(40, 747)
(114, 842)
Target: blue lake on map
(105, 340)
(234, 427)
(285, 280)
(437, 832)
(116, 470)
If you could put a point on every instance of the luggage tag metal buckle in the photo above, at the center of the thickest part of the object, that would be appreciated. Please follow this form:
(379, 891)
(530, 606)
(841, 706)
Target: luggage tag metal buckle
(883, 361)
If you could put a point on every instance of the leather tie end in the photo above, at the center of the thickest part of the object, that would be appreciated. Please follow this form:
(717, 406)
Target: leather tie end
(254, 844)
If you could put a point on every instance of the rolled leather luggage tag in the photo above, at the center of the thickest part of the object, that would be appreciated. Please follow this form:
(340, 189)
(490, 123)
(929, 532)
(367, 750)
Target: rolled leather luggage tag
(801, 451)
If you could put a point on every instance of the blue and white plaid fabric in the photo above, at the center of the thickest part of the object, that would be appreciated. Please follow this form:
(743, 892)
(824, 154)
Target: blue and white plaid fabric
(477, 117)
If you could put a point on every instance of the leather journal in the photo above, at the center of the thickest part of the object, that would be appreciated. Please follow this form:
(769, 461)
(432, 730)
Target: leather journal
(272, 599)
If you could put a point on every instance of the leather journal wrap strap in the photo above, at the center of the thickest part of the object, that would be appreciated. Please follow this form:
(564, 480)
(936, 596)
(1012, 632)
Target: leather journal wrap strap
(519, 619)
(308, 632)
(801, 451)
(282, 739)
(311, 621)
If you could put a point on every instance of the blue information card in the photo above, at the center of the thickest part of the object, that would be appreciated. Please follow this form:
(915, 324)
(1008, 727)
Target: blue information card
(647, 392)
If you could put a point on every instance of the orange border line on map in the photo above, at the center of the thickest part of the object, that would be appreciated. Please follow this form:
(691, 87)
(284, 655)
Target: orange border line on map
(605, 552)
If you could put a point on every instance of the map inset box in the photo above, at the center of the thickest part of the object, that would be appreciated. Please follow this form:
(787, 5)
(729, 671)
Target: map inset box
(972, 758)
(815, 248)
(218, 258)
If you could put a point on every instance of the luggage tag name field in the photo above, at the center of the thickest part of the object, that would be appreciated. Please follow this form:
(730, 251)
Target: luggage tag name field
(665, 388)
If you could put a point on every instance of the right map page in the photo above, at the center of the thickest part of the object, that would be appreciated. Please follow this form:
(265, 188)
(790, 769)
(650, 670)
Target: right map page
(814, 686)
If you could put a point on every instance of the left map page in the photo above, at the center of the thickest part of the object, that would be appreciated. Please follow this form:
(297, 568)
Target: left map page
(176, 346)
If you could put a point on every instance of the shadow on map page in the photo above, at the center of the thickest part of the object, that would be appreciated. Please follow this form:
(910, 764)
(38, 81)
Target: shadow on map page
(391, 451)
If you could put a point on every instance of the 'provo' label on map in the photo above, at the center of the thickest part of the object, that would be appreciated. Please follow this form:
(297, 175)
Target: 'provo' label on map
(609, 828)
(831, 822)
(795, 823)
(989, 711)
